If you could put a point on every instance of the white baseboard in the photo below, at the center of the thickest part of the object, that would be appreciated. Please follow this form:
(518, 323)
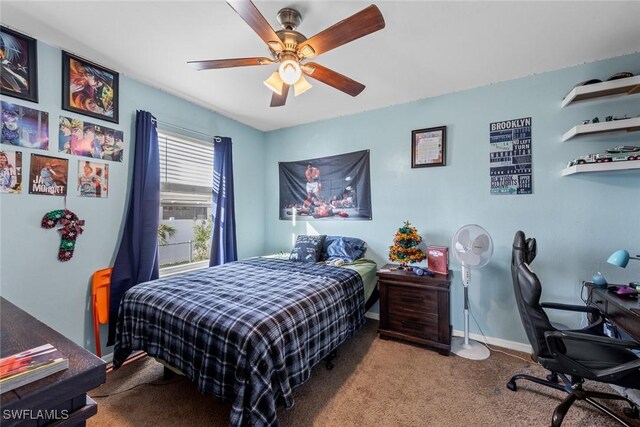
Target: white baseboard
(499, 342)
(107, 358)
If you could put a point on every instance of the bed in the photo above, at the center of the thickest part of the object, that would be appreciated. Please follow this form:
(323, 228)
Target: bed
(248, 331)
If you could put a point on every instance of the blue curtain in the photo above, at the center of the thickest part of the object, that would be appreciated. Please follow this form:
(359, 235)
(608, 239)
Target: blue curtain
(223, 235)
(137, 259)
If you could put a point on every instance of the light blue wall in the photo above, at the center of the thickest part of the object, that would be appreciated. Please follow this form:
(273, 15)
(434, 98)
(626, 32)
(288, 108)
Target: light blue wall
(578, 220)
(59, 293)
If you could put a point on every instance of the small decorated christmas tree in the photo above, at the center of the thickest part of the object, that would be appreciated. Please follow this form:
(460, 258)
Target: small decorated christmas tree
(405, 246)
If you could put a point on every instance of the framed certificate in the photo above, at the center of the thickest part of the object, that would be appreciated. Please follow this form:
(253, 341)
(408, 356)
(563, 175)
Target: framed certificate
(428, 147)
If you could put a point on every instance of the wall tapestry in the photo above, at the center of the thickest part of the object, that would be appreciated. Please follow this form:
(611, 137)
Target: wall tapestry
(89, 89)
(10, 171)
(19, 72)
(24, 127)
(510, 156)
(335, 187)
(48, 175)
(89, 140)
(93, 179)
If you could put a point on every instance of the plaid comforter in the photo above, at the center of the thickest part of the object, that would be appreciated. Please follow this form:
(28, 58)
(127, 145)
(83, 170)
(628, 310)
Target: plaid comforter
(249, 331)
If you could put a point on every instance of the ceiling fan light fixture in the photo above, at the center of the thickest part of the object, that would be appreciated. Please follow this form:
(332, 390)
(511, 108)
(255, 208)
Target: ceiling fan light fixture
(275, 83)
(301, 86)
(290, 71)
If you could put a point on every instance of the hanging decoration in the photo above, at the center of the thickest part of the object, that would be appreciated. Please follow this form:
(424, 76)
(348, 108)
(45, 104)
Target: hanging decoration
(69, 231)
(405, 248)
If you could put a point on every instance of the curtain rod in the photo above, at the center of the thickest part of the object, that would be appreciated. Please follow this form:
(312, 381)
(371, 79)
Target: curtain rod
(195, 132)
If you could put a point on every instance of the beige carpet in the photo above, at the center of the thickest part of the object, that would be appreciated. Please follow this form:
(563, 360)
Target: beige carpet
(375, 383)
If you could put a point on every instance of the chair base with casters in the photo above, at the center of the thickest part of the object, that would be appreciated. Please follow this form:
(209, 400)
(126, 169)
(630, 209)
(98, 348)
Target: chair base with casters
(576, 392)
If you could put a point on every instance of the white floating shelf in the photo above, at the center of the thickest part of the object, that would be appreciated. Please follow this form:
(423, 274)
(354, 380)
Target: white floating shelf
(628, 86)
(628, 125)
(602, 167)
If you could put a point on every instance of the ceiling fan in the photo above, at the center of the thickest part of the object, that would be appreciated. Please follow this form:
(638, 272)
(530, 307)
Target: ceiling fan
(289, 48)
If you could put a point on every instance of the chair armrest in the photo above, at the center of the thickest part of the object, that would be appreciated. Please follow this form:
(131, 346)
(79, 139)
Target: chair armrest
(597, 319)
(570, 307)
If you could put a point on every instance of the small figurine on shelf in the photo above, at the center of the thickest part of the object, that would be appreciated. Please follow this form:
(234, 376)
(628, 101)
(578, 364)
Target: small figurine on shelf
(405, 246)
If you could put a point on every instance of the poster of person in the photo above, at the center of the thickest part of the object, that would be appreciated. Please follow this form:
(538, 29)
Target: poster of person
(10, 171)
(327, 188)
(89, 140)
(510, 156)
(93, 179)
(48, 175)
(24, 127)
(19, 69)
(89, 89)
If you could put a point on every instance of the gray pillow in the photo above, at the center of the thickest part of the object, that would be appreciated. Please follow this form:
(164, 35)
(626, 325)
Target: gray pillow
(307, 248)
(346, 248)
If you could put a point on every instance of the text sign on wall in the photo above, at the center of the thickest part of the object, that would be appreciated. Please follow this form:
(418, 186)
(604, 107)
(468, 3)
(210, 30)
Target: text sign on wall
(510, 156)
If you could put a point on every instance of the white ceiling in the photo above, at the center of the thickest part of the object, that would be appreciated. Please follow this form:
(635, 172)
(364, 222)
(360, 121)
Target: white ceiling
(428, 48)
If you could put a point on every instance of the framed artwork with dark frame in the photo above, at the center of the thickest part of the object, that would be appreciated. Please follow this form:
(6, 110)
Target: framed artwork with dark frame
(89, 89)
(429, 147)
(19, 72)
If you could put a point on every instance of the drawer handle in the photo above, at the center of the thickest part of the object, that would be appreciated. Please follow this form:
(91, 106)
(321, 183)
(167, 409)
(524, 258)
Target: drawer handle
(411, 300)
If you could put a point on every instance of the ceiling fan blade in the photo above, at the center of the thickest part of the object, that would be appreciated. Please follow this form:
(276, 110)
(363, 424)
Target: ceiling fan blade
(229, 63)
(280, 100)
(333, 79)
(365, 22)
(252, 16)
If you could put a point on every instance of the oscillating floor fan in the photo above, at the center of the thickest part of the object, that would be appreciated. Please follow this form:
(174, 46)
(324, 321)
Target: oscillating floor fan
(472, 248)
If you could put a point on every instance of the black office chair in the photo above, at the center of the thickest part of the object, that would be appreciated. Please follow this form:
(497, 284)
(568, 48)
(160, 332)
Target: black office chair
(581, 354)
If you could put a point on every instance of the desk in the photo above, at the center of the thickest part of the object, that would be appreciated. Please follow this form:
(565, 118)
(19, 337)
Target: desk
(622, 312)
(61, 395)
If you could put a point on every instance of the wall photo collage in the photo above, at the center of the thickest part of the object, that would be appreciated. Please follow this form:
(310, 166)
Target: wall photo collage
(88, 89)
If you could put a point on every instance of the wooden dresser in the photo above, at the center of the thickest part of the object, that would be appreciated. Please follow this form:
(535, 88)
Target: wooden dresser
(415, 308)
(59, 398)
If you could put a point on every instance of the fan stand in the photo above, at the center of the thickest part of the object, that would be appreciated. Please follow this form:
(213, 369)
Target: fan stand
(463, 346)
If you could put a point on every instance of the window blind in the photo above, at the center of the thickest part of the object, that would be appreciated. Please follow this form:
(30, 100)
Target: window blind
(186, 164)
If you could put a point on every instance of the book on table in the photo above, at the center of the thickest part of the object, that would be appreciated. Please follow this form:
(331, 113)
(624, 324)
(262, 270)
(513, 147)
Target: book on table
(438, 259)
(30, 365)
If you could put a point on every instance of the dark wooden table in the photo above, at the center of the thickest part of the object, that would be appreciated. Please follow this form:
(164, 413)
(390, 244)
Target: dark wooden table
(623, 312)
(415, 308)
(59, 398)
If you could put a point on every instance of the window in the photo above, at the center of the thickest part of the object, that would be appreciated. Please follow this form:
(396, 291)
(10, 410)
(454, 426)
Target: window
(186, 175)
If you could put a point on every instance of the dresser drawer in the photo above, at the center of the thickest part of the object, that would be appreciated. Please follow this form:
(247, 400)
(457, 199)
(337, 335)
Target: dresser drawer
(411, 299)
(421, 326)
(414, 308)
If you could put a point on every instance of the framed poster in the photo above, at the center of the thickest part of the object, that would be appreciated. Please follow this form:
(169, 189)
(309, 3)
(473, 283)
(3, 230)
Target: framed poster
(90, 140)
(89, 89)
(19, 75)
(48, 175)
(510, 157)
(93, 179)
(10, 171)
(24, 127)
(428, 147)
